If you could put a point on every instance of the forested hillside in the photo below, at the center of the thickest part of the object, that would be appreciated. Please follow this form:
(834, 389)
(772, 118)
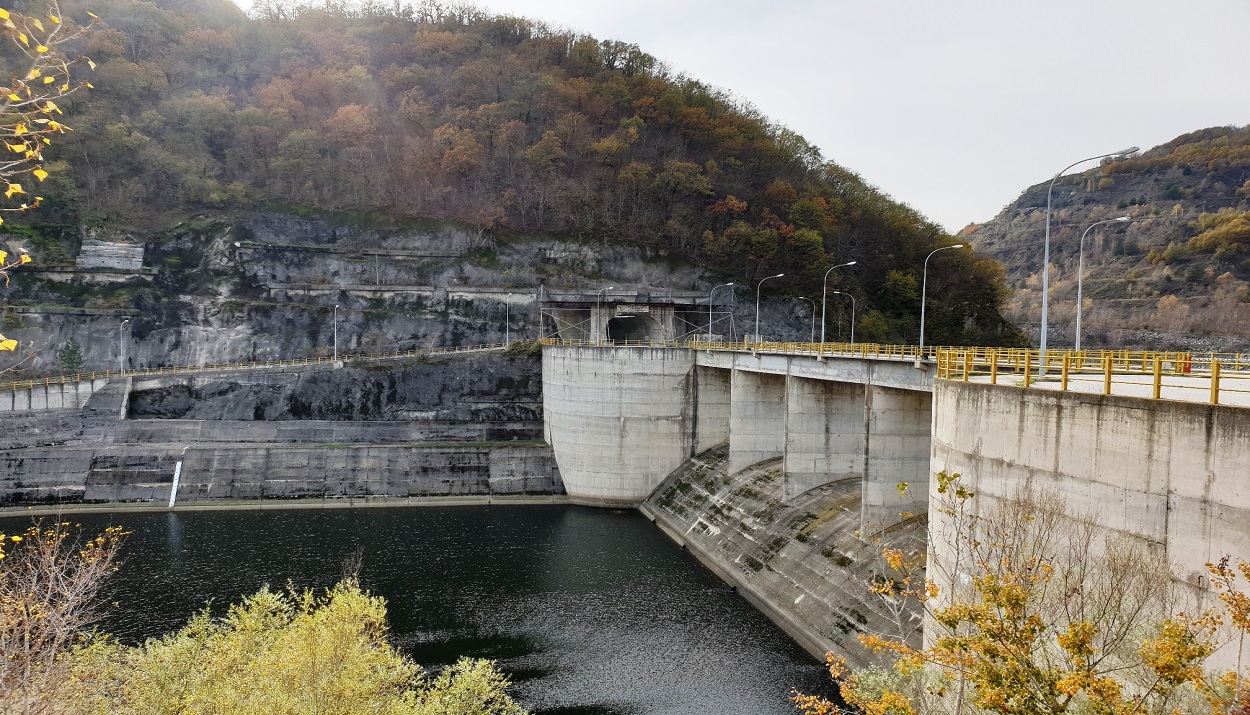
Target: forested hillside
(380, 113)
(1176, 275)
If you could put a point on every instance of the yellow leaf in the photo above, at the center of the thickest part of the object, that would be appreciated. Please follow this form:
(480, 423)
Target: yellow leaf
(50, 106)
(38, 25)
(39, 174)
(4, 257)
(54, 19)
(34, 74)
(9, 24)
(14, 189)
(49, 80)
(24, 259)
(4, 14)
(19, 130)
(41, 48)
(9, 345)
(91, 64)
(14, 98)
(94, 16)
(16, 148)
(25, 40)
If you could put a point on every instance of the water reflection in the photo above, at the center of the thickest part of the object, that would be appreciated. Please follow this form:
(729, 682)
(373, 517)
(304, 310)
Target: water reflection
(592, 612)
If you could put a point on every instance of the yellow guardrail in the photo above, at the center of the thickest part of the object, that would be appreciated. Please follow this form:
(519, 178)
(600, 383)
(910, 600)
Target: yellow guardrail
(234, 366)
(863, 350)
(1148, 372)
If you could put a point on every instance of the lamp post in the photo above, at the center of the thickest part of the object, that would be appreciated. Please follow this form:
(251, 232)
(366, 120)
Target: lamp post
(598, 297)
(336, 336)
(1046, 249)
(1080, 273)
(812, 337)
(924, 290)
(848, 295)
(757, 304)
(121, 346)
(823, 289)
(709, 308)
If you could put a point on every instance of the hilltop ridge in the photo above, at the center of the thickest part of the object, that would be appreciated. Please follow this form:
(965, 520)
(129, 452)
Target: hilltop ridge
(1177, 275)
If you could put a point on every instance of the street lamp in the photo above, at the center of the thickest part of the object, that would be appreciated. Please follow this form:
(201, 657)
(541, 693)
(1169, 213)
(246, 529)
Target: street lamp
(924, 289)
(823, 289)
(848, 295)
(709, 308)
(811, 338)
(1080, 273)
(121, 346)
(598, 298)
(1046, 250)
(757, 305)
(336, 336)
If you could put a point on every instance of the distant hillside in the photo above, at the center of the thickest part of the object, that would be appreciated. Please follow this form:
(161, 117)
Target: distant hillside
(1177, 275)
(390, 113)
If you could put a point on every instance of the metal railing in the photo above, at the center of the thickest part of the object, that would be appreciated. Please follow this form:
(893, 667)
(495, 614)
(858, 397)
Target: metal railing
(875, 351)
(236, 366)
(1148, 372)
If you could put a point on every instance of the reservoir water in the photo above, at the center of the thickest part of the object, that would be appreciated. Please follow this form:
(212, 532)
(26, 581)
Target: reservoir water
(590, 611)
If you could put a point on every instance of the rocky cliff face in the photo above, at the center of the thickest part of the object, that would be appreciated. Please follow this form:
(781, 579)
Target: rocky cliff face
(471, 388)
(264, 287)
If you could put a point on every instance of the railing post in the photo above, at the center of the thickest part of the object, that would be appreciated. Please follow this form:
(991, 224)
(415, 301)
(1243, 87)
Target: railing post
(1063, 373)
(1028, 368)
(1158, 376)
(1215, 382)
(1106, 375)
(967, 364)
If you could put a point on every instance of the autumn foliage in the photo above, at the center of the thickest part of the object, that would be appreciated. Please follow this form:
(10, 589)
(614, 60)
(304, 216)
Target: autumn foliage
(392, 111)
(1032, 609)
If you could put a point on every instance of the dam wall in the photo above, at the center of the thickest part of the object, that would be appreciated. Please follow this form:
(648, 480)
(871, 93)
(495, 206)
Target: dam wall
(621, 419)
(1174, 475)
(800, 561)
(139, 473)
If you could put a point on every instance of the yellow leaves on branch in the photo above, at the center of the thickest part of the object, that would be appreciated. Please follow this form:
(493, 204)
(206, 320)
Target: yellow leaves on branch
(31, 100)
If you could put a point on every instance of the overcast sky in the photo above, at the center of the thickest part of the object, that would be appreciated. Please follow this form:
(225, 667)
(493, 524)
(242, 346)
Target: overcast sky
(952, 107)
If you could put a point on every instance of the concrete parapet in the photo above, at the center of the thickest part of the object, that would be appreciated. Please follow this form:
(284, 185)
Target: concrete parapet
(619, 419)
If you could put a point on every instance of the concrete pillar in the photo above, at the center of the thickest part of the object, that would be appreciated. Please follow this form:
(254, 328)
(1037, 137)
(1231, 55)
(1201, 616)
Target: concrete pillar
(897, 450)
(757, 423)
(712, 408)
(824, 433)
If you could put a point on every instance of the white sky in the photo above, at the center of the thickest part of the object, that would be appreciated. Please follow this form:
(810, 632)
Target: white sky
(952, 107)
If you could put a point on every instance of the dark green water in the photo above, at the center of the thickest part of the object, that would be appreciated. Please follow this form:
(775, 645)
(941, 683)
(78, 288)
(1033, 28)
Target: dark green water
(590, 611)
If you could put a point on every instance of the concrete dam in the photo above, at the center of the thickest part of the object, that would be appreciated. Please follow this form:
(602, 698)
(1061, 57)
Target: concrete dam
(778, 468)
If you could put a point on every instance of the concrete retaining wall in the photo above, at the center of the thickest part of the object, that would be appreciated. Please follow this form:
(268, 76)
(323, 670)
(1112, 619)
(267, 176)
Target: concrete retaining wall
(322, 431)
(71, 395)
(1174, 474)
(124, 473)
(798, 561)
